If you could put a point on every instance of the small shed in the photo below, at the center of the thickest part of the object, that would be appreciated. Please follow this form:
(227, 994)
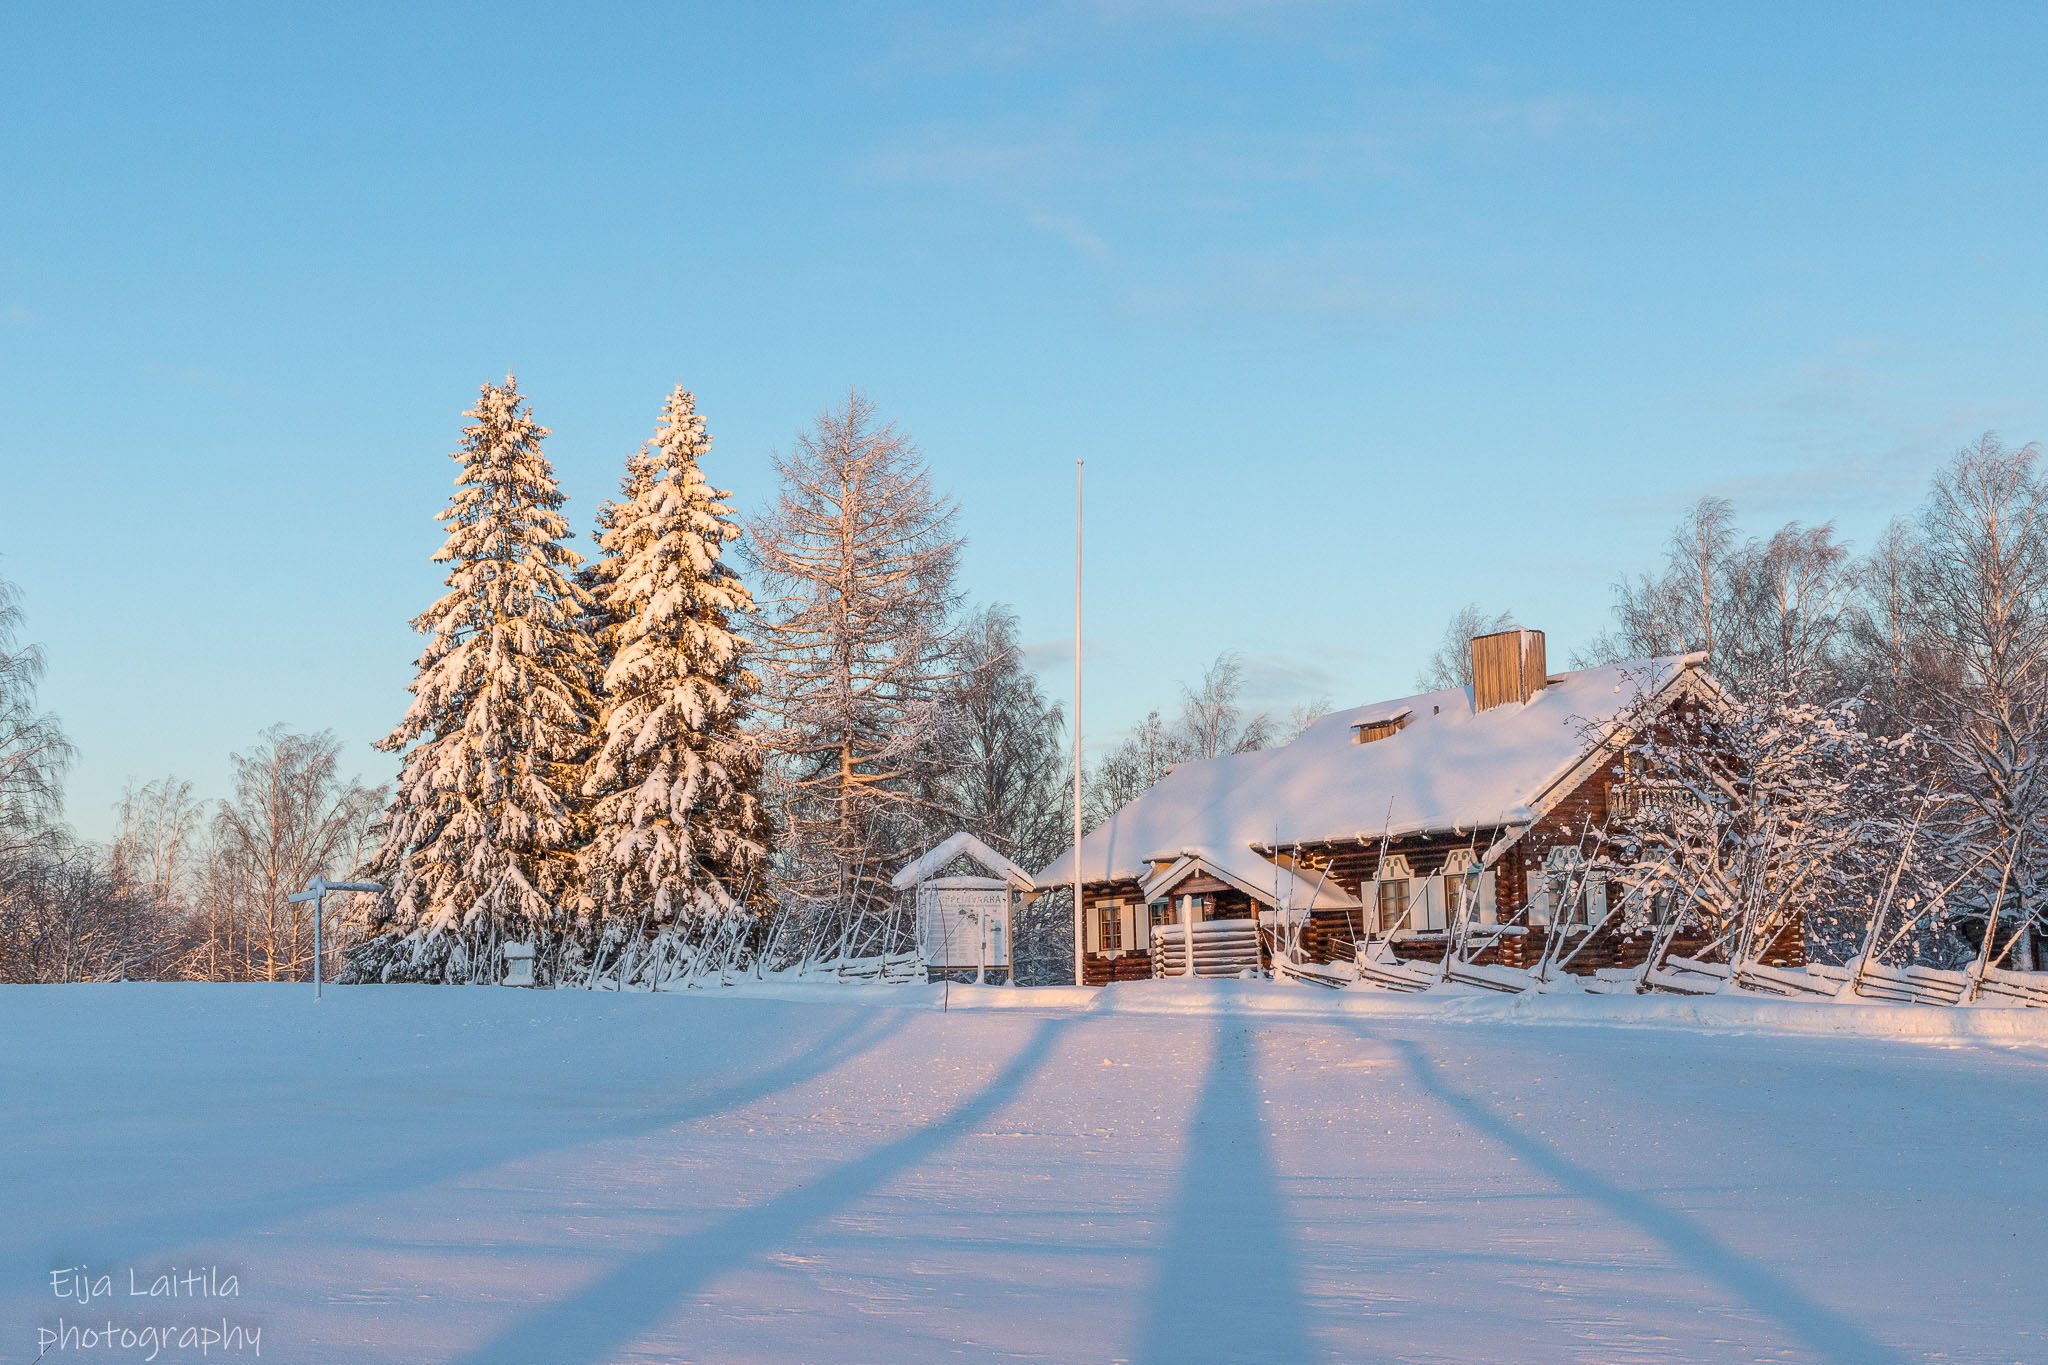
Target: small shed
(963, 919)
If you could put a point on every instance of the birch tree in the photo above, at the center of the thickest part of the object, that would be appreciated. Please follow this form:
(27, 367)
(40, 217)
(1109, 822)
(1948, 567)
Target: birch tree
(1747, 813)
(1884, 652)
(292, 814)
(1212, 713)
(677, 824)
(1681, 608)
(34, 754)
(1011, 781)
(1981, 602)
(1785, 613)
(1451, 665)
(858, 559)
(485, 823)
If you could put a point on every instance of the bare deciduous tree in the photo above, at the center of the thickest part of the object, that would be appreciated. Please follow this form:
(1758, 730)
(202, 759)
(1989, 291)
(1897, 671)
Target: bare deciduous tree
(1882, 643)
(1212, 713)
(1010, 785)
(1786, 610)
(1981, 603)
(156, 825)
(65, 917)
(34, 754)
(857, 561)
(1451, 665)
(292, 815)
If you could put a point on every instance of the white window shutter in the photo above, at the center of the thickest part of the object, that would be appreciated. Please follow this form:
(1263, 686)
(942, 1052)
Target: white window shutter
(1429, 913)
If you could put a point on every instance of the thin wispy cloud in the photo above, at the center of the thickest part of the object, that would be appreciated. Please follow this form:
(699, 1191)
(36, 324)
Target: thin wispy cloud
(1072, 231)
(1327, 286)
(1856, 431)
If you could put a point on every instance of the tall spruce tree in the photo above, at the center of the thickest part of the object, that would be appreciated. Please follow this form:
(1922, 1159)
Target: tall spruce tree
(677, 825)
(484, 827)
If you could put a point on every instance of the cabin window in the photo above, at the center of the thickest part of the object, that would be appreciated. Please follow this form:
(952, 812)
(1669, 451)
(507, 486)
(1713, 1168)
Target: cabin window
(1456, 895)
(1110, 933)
(1162, 912)
(1465, 885)
(1393, 904)
(1368, 731)
(1564, 893)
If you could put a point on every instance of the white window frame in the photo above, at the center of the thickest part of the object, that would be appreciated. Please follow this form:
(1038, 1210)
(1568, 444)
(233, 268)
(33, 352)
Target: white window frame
(1459, 869)
(1392, 870)
(1107, 915)
(1562, 866)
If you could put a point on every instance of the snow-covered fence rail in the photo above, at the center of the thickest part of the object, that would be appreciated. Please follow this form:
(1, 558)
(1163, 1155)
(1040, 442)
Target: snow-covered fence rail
(2022, 988)
(893, 969)
(1333, 975)
(1377, 967)
(1755, 976)
(1911, 985)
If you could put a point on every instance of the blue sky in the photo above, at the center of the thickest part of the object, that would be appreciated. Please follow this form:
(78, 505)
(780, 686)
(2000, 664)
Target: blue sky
(1356, 312)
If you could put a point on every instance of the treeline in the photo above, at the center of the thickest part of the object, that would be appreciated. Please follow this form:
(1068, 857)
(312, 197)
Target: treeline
(1878, 758)
(702, 747)
(185, 889)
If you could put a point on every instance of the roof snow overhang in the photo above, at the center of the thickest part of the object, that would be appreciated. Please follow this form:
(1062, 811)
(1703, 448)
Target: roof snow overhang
(1190, 863)
(930, 865)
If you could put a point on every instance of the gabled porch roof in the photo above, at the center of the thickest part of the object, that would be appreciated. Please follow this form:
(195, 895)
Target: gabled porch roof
(1299, 892)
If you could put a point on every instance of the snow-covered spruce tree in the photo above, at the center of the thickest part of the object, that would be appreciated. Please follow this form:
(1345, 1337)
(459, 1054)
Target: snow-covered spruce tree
(484, 826)
(678, 834)
(858, 555)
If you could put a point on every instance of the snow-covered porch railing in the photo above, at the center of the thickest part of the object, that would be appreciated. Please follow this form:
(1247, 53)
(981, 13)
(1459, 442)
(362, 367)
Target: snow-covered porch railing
(1223, 947)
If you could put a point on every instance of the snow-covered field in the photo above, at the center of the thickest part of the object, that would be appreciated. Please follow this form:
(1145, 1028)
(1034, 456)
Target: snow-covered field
(1169, 1171)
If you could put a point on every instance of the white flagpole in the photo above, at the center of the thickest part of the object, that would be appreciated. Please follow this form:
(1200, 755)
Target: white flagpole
(1080, 927)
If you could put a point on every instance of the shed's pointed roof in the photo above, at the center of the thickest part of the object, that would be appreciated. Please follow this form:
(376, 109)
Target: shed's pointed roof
(936, 861)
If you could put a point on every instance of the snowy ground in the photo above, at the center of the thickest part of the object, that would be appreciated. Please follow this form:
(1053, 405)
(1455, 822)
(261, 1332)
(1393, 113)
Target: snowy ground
(1170, 1171)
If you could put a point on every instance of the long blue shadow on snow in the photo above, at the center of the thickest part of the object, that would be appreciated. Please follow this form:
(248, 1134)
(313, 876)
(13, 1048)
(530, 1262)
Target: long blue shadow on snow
(173, 1225)
(1228, 1288)
(1813, 1324)
(596, 1322)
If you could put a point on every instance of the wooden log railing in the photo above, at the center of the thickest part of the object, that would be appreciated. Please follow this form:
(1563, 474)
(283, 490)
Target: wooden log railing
(1223, 947)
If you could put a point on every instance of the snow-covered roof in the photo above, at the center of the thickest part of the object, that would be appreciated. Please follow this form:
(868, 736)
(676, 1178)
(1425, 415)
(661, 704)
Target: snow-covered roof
(1447, 769)
(933, 863)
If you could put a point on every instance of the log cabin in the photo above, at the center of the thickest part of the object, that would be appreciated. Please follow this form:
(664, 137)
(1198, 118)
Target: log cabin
(1368, 823)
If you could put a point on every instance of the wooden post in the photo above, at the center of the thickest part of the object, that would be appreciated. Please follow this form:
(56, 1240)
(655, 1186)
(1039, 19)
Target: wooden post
(1080, 915)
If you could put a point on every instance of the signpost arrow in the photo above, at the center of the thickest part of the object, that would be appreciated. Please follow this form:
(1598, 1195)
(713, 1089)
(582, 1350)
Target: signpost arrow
(316, 892)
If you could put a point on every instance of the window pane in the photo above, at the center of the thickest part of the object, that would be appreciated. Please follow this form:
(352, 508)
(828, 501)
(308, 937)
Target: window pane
(1393, 896)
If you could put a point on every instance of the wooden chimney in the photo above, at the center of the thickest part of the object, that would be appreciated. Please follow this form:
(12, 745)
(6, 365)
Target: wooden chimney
(1507, 667)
